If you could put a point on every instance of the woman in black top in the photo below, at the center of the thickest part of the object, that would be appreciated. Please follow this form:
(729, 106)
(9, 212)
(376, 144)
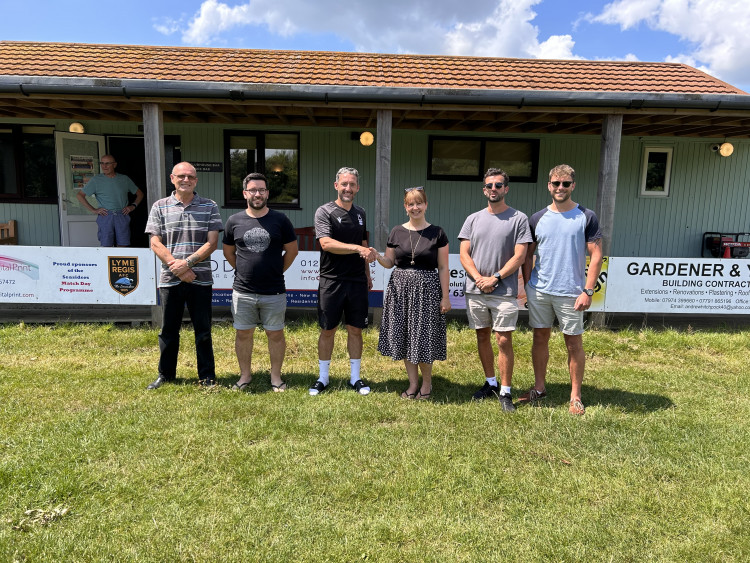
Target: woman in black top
(416, 299)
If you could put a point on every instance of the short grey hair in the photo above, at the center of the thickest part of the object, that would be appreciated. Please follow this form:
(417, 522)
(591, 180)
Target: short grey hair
(347, 170)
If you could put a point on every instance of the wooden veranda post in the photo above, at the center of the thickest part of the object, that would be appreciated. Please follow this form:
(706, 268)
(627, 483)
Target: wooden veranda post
(153, 141)
(607, 188)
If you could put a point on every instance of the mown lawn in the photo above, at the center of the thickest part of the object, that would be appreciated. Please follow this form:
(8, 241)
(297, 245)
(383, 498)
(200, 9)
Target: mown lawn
(93, 467)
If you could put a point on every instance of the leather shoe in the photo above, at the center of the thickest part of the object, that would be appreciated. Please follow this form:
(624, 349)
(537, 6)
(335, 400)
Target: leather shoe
(161, 380)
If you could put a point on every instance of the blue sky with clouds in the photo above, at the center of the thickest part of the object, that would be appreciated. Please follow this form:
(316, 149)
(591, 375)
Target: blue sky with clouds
(710, 35)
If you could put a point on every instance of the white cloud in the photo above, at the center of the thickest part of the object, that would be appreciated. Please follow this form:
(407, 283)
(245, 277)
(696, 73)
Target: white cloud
(716, 31)
(498, 28)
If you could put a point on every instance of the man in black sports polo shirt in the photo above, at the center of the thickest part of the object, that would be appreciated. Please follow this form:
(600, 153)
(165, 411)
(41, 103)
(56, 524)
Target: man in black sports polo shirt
(341, 230)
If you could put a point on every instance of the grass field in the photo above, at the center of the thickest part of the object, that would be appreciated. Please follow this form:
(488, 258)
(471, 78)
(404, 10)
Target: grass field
(93, 467)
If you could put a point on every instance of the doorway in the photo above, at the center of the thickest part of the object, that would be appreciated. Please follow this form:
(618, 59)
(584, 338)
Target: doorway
(131, 161)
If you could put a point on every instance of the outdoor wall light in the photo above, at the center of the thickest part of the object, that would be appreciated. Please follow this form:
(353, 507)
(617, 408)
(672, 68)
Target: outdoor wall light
(724, 149)
(76, 127)
(365, 138)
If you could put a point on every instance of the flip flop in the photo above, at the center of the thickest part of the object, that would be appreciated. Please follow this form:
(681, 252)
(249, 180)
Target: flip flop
(409, 396)
(280, 388)
(424, 396)
(240, 386)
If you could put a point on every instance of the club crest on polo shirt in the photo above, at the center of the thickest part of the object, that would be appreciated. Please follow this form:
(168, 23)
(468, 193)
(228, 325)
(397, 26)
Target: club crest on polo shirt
(339, 219)
(359, 218)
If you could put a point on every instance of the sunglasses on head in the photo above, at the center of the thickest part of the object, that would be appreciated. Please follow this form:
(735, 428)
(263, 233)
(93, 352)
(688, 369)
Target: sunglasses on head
(557, 183)
(418, 188)
(497, 185)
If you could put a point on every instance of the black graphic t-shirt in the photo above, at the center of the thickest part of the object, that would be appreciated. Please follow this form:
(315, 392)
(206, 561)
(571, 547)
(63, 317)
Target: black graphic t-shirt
(260, 245)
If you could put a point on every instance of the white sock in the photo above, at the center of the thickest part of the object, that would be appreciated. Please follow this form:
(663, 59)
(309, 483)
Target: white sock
(355, 367)
(492, 381)
(324, 367)
(505, 389)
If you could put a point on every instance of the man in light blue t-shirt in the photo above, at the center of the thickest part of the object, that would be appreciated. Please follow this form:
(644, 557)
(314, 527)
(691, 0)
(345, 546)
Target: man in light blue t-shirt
(558, 285)
(111, 191)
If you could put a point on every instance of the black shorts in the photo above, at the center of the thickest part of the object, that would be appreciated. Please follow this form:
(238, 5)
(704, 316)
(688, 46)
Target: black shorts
(342, 297)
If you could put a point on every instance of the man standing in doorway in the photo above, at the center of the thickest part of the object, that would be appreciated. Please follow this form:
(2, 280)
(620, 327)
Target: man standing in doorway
(493, 248)
(184, 229)
(260, 244)
(111, 192)
(558, 285)
(341, 230)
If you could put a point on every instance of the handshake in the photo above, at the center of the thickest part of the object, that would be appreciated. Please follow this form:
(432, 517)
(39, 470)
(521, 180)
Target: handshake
(369, 254)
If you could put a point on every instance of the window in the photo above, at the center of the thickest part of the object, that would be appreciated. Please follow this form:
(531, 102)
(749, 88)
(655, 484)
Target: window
(467, 158)
(657, 163)
(276, 155)
(27, 164)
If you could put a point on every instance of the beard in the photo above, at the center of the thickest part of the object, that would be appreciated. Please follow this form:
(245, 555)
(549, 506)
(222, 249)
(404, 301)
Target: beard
(256, 204)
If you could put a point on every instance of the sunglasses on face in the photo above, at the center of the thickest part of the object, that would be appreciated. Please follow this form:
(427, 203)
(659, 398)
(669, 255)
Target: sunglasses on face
(497, 185)
(418, 188)
(557, 183)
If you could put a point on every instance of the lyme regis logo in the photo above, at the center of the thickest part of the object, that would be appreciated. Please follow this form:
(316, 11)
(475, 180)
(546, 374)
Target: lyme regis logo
(123, 273)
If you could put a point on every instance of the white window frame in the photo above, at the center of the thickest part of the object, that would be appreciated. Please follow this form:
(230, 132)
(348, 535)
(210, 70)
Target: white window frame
(647, 151)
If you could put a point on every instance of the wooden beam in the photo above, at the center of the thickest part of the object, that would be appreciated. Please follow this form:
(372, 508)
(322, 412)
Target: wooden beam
(153, 141)
(382, 178)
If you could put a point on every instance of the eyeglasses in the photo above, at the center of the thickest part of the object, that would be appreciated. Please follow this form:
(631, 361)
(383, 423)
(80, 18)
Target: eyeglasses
(184, 177)
(105, 163)
(557, 183)
(418, 188)
(255, 190)
(497, 185)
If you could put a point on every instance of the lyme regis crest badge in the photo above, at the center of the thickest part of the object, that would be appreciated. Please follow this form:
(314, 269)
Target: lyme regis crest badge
(123, 273)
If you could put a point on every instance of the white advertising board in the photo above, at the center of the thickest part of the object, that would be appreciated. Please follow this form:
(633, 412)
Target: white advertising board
(102, 276)
(678, 285)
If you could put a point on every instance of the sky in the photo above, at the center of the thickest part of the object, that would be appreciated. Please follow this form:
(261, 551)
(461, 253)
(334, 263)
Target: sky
(711, 35)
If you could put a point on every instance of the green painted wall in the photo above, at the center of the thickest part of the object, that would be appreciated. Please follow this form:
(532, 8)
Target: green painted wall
(707, 191)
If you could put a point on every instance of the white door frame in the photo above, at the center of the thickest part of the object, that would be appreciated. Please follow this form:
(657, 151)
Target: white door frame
(77, 224)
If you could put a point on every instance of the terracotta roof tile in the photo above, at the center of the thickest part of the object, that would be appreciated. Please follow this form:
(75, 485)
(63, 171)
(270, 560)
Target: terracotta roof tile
(350, 69)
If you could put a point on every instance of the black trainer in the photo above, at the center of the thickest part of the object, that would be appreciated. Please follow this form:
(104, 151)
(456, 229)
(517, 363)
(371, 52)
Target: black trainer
(485, 392)
(506, 402)
(317, 388)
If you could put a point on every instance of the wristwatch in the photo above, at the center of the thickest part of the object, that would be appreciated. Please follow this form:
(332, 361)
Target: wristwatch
(497, 277)
(589, 292)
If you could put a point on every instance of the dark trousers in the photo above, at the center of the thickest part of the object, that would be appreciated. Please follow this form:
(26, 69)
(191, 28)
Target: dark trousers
(198, 301)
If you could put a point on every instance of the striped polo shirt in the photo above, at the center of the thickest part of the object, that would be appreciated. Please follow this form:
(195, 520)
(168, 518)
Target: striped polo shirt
(183, 230)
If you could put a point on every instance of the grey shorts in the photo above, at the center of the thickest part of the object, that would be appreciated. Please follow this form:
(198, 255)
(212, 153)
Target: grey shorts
(251, 310)
(499, 312)
(543, 308)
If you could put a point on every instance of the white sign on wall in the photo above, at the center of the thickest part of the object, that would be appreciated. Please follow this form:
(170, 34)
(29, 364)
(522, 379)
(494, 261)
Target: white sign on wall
(51, 274)
(678, 285)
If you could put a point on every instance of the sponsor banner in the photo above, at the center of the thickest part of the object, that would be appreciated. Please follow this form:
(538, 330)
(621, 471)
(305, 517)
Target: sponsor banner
(103, 276)
(678, 285)
(301, 280)
(458, 276)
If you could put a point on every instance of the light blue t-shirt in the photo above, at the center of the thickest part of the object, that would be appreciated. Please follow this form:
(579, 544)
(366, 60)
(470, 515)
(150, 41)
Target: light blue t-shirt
(111, 193)
(561, 238)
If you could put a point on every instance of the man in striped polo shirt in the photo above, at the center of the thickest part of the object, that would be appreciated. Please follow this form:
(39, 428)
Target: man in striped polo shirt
(184, 229)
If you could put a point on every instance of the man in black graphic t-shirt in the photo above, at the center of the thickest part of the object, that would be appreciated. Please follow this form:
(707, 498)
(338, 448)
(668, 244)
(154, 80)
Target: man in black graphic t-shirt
(260, 244)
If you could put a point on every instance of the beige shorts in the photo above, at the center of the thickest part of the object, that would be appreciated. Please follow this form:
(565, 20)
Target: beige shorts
(483, 310)
(543, 308)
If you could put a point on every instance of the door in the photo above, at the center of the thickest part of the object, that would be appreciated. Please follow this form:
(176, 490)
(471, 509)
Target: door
(77, 157)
